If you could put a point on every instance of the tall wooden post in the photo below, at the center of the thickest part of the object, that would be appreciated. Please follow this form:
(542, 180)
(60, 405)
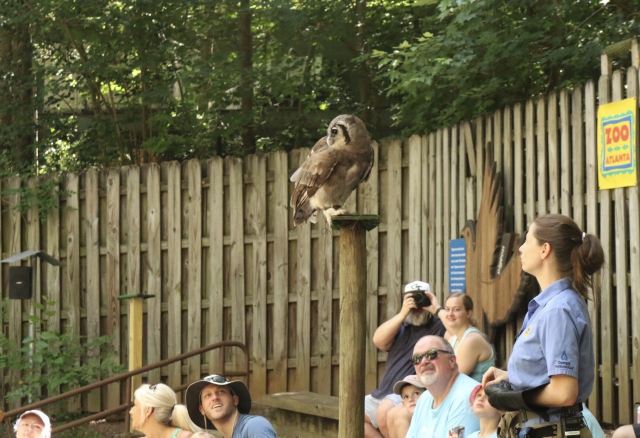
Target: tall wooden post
(353, 329)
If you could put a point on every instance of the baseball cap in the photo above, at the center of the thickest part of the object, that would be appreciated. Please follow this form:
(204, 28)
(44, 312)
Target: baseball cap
(411, 379)
(46, 430)
(416, 286)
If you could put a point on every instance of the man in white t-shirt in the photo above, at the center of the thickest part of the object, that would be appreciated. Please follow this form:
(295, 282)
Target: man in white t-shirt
(443, 410)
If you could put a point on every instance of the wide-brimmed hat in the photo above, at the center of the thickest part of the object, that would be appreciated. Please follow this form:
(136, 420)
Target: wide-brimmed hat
(192, 397)
(46, 430)
(411, 379)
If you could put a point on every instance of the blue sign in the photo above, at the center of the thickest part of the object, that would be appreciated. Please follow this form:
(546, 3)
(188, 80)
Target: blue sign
(457, 265)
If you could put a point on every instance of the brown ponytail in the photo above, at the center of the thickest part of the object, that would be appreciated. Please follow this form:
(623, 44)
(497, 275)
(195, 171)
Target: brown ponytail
(578, 255)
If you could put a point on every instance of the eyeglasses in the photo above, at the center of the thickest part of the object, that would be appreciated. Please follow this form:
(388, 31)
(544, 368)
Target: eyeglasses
(216, 379)
(33, 426)
(431, 354)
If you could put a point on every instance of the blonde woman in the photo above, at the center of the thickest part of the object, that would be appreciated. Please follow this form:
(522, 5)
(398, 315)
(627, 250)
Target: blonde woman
(474, 353)
(155, 413)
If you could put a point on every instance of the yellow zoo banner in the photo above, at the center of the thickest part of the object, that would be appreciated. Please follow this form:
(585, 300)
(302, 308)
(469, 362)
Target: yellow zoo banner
(617, 144)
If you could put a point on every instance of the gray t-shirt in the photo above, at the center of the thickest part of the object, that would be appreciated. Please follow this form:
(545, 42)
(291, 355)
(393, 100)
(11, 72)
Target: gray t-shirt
(253, 426)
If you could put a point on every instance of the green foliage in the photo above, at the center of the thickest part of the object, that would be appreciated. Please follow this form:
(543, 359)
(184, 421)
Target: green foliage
(54, 361)
(122, 81)
(479, 56)
(43, 195)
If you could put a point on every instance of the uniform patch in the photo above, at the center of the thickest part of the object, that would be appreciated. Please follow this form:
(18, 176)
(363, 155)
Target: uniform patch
(563, 362)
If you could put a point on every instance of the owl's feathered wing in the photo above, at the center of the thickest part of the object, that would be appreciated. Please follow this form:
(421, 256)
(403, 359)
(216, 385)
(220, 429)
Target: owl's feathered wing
(495, 280)
(312, 173)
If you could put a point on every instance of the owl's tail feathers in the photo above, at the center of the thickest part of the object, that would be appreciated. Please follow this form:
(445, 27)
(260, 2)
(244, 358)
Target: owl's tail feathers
(303, 213)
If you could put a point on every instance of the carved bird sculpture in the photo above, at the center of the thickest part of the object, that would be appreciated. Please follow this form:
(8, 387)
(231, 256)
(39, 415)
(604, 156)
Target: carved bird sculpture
(495, 280)
(336, 165)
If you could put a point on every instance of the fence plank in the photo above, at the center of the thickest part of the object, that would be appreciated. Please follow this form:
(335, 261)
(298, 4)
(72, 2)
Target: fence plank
(174, 269)
(303, 300)
(507, 158)
(454, 230)
(462, 175)
(565, 155)
(439, 274)
(369, 195)
(31, 308)
(215, 291)
(132, 176)
(479, 153)
(14, 231)
(236, 271)
(153, 265)
(325, 309)
(518, 171)
(497, 139)
(112, 274)
(415, 206)
(553, 174)
(634, 253)
(71, 292)
(193, 207)
(258, 223)
(621, 296)
(431, 223)
(281, 271)
(606, 327)
(394, 227)
(92, 251)
(446, 207)
(530, 173)
(541, 157)
(52, 273)
(591, 175)
(577, 158)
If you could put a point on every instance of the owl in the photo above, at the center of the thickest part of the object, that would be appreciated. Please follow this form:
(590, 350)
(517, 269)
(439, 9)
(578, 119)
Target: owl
(336, 165)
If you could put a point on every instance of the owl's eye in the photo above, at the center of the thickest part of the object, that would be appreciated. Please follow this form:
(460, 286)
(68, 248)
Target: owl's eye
(334, 130)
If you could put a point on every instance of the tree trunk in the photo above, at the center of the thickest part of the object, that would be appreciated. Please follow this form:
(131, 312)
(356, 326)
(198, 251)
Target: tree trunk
(246, 77)
(17, 94)
(363, 78)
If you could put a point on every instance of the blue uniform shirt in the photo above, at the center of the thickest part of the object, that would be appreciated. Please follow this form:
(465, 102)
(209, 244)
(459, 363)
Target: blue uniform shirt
(555, 339)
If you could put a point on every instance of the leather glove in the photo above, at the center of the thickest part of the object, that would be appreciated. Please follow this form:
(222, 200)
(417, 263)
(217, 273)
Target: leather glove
(503, 397)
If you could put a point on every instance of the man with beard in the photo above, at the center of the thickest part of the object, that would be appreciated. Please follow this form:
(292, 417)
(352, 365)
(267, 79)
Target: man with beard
(397, 336)
(443, 410)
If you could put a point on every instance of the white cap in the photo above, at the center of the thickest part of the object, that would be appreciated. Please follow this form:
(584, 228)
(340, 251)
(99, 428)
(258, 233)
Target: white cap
(46, 430)
(416, 286)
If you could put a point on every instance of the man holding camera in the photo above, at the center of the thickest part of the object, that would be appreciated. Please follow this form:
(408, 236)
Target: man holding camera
(397, 336)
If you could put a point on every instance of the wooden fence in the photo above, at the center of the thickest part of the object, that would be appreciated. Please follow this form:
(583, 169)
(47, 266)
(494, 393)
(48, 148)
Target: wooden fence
(213, 242)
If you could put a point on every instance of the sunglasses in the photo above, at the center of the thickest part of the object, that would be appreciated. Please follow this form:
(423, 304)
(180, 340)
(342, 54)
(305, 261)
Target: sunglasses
(216, 379)
(431, 354)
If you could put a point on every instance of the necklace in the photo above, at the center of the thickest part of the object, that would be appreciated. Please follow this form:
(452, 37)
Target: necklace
(235, 421)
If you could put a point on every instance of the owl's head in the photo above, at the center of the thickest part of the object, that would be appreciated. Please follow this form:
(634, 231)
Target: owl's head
(347, 129)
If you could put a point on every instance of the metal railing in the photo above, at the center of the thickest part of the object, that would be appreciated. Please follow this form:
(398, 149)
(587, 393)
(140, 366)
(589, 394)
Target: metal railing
(127, 377)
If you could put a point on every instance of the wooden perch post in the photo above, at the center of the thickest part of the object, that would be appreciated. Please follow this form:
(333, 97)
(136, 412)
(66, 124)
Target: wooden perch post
(353, 330)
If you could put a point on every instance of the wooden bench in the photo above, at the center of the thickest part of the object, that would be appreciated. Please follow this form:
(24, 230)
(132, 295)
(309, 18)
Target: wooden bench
(300, 414)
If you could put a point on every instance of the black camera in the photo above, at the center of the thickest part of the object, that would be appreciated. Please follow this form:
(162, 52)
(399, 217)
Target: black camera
(416, 290)
(421, 299)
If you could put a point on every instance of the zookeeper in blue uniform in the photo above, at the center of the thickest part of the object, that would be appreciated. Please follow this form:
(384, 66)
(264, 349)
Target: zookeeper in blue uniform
(551, 369)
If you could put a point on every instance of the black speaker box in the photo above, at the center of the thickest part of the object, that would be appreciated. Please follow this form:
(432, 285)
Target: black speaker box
(20, 282)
